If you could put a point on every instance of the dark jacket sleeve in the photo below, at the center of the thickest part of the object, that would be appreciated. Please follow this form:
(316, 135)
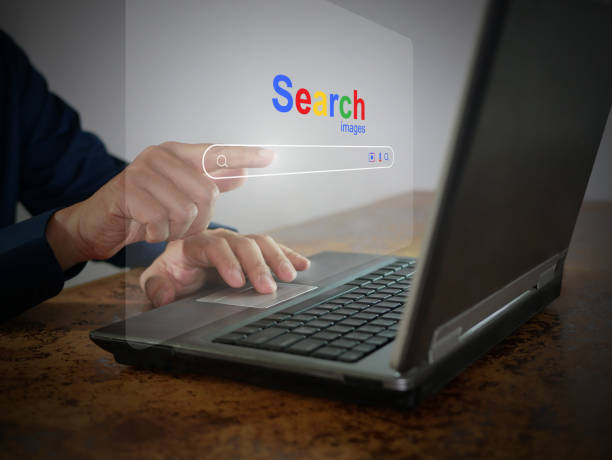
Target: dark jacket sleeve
(50, 163)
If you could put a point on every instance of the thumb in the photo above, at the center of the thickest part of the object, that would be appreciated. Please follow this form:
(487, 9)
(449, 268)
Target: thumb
(237, 178)
(158, 289)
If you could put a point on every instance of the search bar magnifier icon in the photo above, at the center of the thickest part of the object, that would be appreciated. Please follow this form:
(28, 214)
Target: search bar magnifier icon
(221, 161)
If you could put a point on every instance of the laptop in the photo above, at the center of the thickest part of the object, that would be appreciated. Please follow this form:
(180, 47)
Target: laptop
(532, 117)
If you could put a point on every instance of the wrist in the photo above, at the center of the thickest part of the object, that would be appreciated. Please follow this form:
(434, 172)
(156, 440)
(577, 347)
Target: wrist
(63, 236)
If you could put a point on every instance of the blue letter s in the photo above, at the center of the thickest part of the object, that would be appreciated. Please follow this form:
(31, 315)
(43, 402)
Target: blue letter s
(283, 93)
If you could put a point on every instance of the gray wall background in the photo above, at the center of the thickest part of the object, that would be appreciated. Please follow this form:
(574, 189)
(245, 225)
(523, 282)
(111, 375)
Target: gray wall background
(211, 80)
(79, 46)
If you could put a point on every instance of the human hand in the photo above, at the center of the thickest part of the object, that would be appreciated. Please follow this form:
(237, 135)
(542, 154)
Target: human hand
(162, 195)
(188, 264)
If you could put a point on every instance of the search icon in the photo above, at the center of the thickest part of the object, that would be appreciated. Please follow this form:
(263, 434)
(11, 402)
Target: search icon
(221, 161)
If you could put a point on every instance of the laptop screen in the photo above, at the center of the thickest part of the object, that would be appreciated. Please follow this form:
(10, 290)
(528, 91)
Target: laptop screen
(529, 133)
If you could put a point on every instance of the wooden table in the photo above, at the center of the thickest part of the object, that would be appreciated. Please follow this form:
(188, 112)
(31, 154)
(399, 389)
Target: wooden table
(546, 391)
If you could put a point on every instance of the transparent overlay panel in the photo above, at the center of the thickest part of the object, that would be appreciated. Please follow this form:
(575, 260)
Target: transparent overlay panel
(329, 92)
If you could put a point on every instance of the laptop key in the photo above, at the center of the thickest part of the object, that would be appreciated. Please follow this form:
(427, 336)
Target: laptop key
(332, 317)
(392, 315)
(356, 307)
(377, 340)
(290, 324)
(391, 291)
(328, 352)
(371, 329)
(375, 286)
(229, 338)
(368, 301)
(344, 343)
(380, 295)
(305, 346)
(263, 336)
(305, 330)
(351, 356)
(345, 312)
(302, 306)
(400, 299)
(352, 322)
(383, 322)
(365, 347)
(326, 335)
(353, 296)
(402, 286)
(377, 310)
(318, 323)
(340, 329)
(283, 341)
(364, 291)
(389, 304)
(366, 316)
(387, 334)
(359, 336)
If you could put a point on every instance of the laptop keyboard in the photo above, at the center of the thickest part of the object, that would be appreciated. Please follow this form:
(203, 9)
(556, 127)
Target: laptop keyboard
(346, 327)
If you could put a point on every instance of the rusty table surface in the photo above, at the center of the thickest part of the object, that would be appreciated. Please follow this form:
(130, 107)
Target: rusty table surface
(544, 392)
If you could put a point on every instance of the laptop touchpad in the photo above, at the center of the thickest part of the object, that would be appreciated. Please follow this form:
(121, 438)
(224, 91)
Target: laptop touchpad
(248, 297)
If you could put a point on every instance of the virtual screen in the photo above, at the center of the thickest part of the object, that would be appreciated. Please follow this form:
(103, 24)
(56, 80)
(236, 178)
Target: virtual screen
(329, 91)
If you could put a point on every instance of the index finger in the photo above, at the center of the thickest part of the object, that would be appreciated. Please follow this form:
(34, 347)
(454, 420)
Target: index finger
(205, 155)
(218, 157)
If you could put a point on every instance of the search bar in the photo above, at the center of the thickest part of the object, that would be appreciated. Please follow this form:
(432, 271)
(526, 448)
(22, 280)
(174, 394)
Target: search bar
(300, 159)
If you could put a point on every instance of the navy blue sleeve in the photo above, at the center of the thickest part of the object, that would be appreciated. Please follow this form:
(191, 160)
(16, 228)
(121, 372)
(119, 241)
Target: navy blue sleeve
(47, 162)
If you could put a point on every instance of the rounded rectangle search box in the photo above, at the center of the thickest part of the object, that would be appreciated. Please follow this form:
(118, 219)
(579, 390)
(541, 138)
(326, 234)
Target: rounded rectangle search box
(230, 161)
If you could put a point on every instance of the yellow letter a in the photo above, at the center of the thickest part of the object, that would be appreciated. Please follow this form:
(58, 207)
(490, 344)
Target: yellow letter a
(320, 103)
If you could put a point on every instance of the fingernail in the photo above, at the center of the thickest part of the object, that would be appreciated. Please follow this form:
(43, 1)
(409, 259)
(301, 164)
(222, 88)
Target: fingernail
(159, 298)
(287, 269)
(268, 282)
(237, 277)
(266, 153)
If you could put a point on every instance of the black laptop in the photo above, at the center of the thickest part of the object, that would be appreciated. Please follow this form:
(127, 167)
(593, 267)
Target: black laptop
(533, 114)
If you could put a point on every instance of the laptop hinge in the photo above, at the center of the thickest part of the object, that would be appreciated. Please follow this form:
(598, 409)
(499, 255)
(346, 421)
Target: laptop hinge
(451, 334)
(443, 345)
(546, 276)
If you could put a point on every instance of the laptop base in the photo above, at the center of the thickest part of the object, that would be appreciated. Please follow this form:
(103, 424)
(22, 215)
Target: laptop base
(429, 379)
